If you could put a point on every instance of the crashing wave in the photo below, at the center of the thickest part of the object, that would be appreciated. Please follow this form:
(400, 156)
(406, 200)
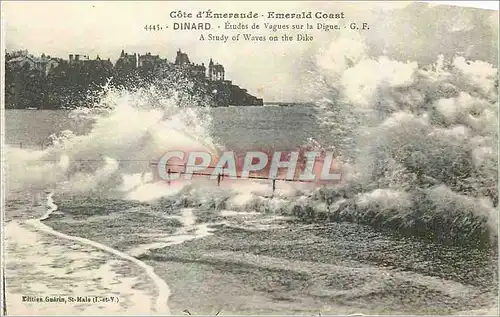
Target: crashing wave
(417, 146)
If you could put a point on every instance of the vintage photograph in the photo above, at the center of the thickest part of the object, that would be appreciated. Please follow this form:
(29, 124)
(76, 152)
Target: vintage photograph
(249, 158)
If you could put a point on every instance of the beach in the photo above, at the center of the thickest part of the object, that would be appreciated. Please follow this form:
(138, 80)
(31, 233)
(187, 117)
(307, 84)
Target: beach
(42, 264)
(264, 264)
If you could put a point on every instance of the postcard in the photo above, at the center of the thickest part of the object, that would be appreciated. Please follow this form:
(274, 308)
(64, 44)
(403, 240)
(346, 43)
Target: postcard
(249, 158)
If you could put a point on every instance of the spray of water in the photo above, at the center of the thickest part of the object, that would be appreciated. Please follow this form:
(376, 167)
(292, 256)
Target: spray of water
(417, 147)
(129, 129)
(422, 153)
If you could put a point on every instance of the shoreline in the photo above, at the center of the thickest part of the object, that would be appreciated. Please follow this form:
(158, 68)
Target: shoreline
(41, 264)
(162, 287)
(162, 290)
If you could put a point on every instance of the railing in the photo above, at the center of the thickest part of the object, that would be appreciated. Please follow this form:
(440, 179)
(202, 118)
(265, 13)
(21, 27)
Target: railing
(25, 145)
(220, 176)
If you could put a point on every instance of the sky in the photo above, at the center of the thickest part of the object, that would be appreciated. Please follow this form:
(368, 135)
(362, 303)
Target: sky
(275, 71)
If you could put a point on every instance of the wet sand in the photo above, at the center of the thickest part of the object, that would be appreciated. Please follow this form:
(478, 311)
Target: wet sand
(50, 265)
(250, 263)
(39, 264)
(239, 271)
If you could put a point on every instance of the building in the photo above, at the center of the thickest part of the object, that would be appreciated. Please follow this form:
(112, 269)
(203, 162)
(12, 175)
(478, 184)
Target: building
(54, 82)
(77, 58)
(215, 71)
(181, 58)
(199, 71)
(126, 62)
(148, 61)
(43, 64)
(99, 66)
